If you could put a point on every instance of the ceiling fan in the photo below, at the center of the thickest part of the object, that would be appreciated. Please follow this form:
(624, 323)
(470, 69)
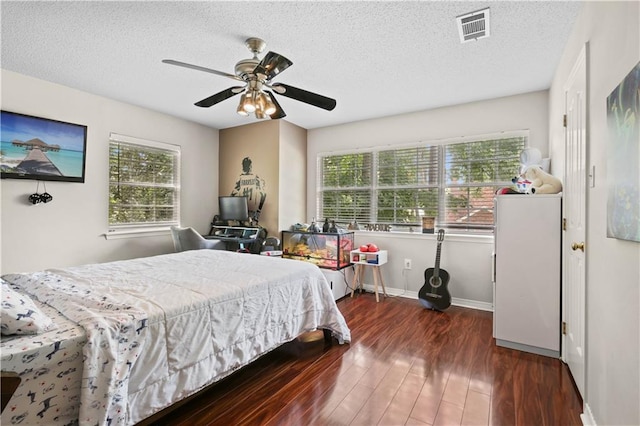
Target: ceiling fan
(256, 75)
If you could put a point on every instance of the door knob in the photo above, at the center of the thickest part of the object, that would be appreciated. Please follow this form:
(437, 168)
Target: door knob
(577, 246)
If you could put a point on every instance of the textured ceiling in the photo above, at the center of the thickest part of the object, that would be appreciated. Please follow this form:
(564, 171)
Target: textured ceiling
(375, 58)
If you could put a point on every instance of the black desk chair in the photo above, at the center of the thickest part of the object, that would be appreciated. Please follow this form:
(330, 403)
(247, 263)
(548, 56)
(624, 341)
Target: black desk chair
(256, 246)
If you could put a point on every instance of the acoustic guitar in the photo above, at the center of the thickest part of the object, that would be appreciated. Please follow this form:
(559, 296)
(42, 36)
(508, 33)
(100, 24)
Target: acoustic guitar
(434, 292)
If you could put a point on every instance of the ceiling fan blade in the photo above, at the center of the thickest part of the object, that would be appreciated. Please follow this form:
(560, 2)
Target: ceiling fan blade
(219, 97)
(279, 111)
(272, 64)
(199, 68)
(304, 96)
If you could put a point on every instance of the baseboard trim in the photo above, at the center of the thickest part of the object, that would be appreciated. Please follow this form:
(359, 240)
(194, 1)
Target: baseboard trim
(472, 304)
(455, 301)
(528, 348)
(587, 416)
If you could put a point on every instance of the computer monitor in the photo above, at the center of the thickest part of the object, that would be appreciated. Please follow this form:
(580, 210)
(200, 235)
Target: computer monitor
(233, 208)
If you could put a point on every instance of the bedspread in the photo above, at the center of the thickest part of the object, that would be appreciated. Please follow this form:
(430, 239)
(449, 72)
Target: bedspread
(161, 328)
(112, 345)
(50, 369)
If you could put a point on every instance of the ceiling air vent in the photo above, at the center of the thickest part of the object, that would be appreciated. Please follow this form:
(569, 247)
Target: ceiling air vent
(474, 25)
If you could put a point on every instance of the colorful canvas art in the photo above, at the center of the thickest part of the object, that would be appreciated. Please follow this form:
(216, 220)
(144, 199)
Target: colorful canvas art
(623, 165)
(41, 149)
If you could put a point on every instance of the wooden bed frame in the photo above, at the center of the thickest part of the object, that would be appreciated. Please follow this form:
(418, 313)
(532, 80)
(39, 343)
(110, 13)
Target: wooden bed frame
(9, 382)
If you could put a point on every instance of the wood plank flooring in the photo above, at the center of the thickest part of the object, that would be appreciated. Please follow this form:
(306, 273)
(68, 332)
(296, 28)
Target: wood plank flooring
(405, 366)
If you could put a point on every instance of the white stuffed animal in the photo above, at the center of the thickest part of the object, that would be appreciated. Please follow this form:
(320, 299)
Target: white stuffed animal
(541, 181)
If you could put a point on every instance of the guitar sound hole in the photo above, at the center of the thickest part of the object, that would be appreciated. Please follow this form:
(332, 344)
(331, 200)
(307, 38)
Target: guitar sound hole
(435, 282)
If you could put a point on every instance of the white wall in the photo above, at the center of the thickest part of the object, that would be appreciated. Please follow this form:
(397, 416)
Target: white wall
(613, 266)
(467, 259)
(69, 230)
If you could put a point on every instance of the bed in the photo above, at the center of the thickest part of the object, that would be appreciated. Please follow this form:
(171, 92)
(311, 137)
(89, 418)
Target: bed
(133, 337)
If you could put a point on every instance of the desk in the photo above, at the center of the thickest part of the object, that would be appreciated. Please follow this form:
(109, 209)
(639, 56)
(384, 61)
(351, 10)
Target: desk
(361, 260)
(238, 235)
(231, 239)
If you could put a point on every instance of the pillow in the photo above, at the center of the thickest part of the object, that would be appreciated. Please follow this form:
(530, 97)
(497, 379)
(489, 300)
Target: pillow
(20, 315)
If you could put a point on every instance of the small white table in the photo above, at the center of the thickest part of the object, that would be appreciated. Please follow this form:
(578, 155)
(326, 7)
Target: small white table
(363, 259)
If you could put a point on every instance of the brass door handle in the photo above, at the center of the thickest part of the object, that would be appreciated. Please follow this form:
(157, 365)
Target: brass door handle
(578, 246)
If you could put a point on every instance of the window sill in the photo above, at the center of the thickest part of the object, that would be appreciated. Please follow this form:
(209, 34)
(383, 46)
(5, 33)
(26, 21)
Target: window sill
(115, 234)
(468, 238)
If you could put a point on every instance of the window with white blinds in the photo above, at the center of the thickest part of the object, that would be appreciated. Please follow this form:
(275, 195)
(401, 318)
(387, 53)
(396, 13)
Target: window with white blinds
(345, 182)
(473, 171)
(406, 184)
(454, 182)
(144, 183)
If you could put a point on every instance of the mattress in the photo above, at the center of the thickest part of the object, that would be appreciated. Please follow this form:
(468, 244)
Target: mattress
(159, 329)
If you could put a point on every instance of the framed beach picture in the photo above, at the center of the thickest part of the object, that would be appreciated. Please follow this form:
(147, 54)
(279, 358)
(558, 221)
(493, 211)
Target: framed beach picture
(41, 149)
(623, 159)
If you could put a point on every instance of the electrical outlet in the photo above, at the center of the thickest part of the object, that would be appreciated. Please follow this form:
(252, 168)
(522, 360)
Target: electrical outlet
(407, 264)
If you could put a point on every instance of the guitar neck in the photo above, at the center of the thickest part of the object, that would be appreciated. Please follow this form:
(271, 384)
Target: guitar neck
(436, 268)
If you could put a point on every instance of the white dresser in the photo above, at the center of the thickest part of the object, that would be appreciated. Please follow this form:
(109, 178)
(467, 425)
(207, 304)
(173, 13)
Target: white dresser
(527, 273)
(337, 282)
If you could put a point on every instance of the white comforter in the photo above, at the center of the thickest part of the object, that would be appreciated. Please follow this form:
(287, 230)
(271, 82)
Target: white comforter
(161, 328)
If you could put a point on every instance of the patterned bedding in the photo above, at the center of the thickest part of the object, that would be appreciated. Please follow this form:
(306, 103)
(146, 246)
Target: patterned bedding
(50, 366)
(159, 329)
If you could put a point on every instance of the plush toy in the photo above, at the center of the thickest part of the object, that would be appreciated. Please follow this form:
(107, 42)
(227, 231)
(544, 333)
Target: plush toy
(523, 186)
(541, 181)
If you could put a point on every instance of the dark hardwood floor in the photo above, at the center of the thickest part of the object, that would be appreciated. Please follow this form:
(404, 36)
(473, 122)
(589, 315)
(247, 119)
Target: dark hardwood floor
(405, 366)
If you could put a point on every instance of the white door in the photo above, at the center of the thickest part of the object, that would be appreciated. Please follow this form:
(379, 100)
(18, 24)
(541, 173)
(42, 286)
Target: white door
(575, 192)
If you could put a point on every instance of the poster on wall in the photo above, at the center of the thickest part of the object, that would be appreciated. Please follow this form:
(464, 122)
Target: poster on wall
(41, 148)
(623, 159)
(253, 187)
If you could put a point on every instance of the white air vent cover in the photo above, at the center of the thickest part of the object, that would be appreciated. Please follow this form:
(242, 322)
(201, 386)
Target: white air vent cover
(474, 25)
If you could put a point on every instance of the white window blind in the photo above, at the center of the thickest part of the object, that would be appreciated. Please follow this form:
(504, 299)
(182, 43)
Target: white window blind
(454, 182)
(407, 184)
(345, 182)
(473, 172)
(144, 183)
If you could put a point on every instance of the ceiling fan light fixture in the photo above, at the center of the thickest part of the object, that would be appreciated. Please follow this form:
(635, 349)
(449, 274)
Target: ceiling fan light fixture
(241, 110)
(269, 106)
(256, 102)
(246, 103)
(260, 102)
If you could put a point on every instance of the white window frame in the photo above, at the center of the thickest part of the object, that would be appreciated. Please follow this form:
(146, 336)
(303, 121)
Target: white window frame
(119, 230)
(441, 182)
(469, 228)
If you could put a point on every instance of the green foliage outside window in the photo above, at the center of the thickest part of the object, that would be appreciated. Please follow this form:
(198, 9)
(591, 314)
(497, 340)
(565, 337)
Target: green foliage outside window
(473, 173)
(454, 183)
(143, 187)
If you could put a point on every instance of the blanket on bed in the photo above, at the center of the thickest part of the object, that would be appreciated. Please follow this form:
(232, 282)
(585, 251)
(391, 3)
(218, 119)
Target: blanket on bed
(161, 328)
(50, 366)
